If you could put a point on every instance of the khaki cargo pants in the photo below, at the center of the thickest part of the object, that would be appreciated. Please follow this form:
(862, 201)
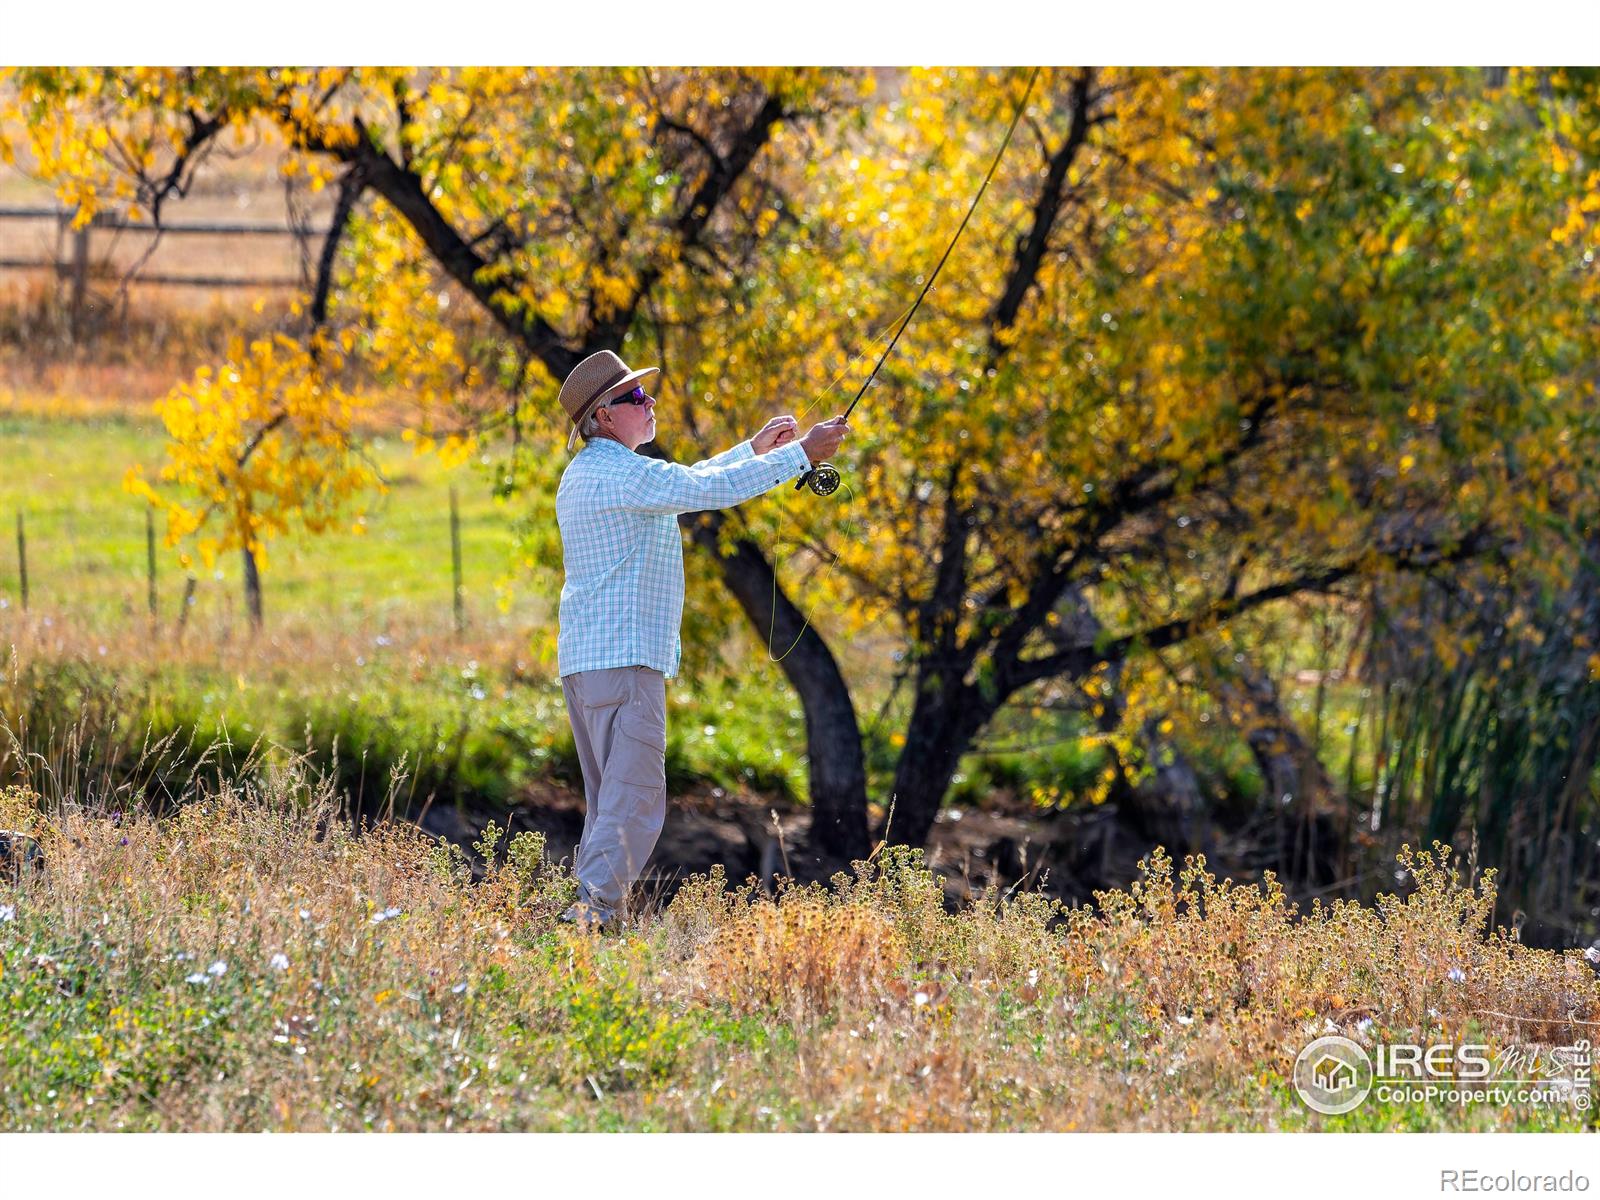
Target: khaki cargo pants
(619, 723)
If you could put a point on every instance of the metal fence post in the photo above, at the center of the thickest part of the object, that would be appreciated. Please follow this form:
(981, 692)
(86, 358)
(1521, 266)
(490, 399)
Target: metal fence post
(150, 557)
(22, 559)
(455, 561)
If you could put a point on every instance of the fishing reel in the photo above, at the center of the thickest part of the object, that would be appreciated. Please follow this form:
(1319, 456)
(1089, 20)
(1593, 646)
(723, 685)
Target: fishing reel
(823, 479)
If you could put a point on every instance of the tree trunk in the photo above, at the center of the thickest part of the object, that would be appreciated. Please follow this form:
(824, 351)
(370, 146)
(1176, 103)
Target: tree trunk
(1168, 806)
(1297, 784)
(943, 723)
(836, 765)
(1165, 807)
(252, 589)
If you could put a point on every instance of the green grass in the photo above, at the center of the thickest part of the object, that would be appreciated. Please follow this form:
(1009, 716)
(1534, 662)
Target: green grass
(87, 548)
(366, 653)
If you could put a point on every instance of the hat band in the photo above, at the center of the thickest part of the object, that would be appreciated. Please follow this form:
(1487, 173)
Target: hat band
(583, 409)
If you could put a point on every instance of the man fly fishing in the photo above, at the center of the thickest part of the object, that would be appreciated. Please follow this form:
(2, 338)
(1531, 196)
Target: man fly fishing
(623, 597)
(622, 601)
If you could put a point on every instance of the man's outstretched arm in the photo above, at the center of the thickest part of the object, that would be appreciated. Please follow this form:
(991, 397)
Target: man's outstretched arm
(776, 432)
(733, 454)
(655, 486)
(665, 487)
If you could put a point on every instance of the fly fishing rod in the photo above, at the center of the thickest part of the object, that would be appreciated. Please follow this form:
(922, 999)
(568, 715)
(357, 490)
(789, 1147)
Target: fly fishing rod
(824, 478)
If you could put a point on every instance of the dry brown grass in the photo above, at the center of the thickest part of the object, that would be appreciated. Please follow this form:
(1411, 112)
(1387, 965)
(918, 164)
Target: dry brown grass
(803, 956)
(251, 962)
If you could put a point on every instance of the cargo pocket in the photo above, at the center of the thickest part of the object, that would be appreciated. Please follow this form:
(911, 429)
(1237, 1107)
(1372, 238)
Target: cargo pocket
(641, 746)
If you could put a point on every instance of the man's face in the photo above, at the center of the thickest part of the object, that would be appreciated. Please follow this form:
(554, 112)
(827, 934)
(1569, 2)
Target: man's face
(632, 418)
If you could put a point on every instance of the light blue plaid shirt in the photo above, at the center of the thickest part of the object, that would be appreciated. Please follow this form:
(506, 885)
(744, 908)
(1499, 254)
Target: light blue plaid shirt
(622, 603)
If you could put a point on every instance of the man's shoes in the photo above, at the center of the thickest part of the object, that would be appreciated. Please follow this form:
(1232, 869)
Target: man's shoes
(585, 916)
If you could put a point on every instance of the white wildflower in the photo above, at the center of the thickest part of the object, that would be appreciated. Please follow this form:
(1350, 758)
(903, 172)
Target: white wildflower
(217, 968)
(198, 977)
(8, 912)
(279, 962)
(1457, 975)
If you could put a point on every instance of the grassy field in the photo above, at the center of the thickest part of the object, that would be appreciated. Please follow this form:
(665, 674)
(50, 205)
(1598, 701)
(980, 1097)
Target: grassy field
(87, 549)
(359, 635)
(250, 964)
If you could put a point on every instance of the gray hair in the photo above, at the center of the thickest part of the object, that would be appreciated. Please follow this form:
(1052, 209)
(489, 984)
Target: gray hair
(591, 423)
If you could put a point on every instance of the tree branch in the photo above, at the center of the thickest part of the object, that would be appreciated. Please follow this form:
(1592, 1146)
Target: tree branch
(404, 190)
(1030, 253)
(1080, 659)
(350, 188)
(721, 175)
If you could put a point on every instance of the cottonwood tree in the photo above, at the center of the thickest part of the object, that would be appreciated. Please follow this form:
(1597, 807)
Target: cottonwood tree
(1221, 339)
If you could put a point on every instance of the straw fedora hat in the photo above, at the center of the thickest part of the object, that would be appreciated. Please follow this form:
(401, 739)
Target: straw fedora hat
(598, 378)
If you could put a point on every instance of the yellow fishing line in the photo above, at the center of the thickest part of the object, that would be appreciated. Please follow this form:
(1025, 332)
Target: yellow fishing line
(772, 623)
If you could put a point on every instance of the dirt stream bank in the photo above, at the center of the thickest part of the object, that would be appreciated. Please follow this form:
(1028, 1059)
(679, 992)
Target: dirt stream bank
(1067, 854)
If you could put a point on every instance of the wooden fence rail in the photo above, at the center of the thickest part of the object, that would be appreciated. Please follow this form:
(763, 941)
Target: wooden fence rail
(73, 260)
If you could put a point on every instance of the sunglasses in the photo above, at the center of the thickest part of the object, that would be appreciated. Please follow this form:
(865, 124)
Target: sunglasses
(637, 396)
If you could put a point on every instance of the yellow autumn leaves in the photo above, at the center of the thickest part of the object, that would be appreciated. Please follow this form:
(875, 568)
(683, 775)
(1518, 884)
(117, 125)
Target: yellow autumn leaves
(261, 443)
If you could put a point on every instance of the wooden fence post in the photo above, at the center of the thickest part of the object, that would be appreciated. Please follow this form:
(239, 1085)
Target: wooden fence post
(455, 561)
(252, 588)
(80, 277)
(22, 559)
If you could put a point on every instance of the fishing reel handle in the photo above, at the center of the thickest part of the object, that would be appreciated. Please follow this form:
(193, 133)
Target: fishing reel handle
(823, 479)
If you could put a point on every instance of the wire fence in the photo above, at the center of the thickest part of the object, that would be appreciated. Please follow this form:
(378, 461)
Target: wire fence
(458, 589)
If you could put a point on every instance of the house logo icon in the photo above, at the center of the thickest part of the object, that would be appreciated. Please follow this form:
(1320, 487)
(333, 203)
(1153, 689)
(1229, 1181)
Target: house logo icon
(1333, 1075)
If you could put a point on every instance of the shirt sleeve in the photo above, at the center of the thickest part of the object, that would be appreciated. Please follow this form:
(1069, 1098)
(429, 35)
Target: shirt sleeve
(663, 487)
(735, 454)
